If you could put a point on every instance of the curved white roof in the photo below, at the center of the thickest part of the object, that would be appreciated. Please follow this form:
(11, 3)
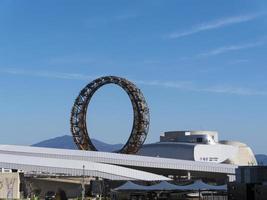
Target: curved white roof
(118, 159)
(32, 164)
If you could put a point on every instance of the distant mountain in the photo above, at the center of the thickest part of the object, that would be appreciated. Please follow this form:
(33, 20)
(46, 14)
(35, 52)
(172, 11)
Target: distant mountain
(261, 159)
(66, 142)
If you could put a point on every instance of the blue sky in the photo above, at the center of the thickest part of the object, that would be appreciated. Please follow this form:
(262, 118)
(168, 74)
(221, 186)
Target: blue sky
(200, 64)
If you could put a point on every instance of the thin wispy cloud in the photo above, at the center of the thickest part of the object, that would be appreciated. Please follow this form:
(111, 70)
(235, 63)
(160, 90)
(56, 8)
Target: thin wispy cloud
(215, 25)
(234, 90)
(184, 85)
(180, 85)
(238, 61)
(46, 74)
(71, 59)
(226, 49)
(190, 86)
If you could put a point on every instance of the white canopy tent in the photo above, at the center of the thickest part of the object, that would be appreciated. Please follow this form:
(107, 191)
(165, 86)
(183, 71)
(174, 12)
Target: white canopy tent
(165, 186)
(130, 186)
(200, 185)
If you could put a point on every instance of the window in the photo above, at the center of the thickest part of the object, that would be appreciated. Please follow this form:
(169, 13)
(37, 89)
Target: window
(199, 140)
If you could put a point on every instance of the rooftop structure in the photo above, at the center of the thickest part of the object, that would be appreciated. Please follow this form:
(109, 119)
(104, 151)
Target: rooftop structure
(204, 137)
(203, 146)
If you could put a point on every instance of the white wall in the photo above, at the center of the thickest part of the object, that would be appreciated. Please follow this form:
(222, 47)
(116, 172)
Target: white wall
(9, 186)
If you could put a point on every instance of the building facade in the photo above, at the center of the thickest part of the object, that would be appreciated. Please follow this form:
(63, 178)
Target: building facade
(203, 146)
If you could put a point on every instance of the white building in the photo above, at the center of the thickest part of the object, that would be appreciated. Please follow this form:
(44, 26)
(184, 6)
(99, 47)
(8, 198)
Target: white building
(114, 166)
(203, 146)
(64, 163)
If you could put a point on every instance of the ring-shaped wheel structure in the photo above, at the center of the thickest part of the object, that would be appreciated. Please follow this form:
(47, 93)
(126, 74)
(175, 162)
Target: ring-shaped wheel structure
(140, 111)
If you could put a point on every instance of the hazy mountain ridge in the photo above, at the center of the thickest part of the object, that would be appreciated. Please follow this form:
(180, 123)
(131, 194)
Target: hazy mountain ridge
(261, 159)
(66, 142)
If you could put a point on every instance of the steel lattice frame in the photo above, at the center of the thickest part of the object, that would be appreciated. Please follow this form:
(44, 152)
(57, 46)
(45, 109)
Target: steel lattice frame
(140, 112)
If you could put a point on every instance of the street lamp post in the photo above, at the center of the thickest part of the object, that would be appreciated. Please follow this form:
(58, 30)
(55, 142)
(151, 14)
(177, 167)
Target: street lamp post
(83, 184)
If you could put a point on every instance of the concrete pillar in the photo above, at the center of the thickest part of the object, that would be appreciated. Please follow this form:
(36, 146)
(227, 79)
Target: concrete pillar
(189, 175)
